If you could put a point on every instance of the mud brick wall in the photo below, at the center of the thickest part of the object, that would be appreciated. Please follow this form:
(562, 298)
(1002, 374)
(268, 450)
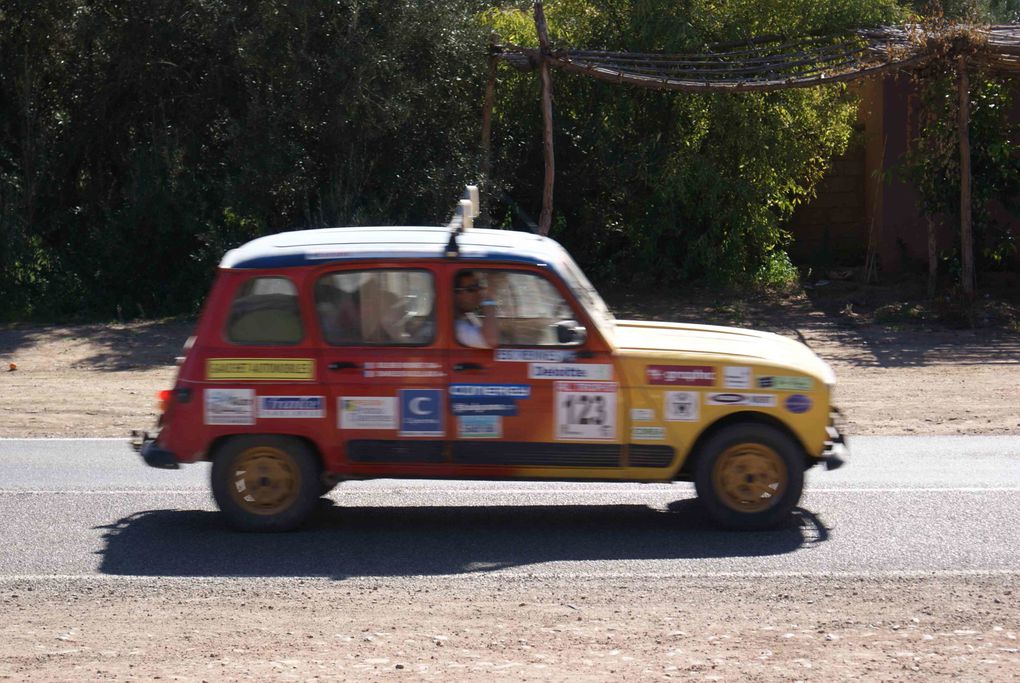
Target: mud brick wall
(832, 228)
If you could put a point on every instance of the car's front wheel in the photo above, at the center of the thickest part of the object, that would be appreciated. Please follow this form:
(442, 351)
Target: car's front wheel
(266, 483)
(749, 476)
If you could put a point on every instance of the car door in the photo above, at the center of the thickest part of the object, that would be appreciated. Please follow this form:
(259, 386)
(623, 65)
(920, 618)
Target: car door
(545, 401)
(382, 364)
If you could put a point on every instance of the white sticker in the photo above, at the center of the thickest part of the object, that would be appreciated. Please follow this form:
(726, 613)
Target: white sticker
(586, 410)
(480, 427)
(230, 406)
(759, 400)
(642, 415)
(535, 355)
(367, 412)
(569, 371)
(403, 369)
(737, 377)
(682, 406)
(648, 434)
(292, 406)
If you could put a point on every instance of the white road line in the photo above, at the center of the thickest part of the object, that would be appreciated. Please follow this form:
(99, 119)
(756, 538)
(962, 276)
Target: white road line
(502, 576)
(423, 491)
(125, 439)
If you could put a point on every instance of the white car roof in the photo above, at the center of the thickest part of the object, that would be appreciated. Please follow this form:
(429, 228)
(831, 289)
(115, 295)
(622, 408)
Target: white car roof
(309, 247)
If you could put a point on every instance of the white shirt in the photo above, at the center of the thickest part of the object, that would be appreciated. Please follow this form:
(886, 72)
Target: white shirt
(469, 331)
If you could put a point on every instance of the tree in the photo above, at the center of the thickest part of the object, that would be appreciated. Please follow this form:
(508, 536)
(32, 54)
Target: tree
(675, 186)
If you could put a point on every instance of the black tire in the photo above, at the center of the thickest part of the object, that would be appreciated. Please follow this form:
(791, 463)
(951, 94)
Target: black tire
(749, 476)
(266, 483)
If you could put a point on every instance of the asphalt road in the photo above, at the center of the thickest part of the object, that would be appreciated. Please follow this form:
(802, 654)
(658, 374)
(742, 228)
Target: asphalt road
(909, 505)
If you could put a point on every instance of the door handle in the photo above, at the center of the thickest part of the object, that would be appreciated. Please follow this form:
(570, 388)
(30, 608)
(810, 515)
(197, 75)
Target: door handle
(342, 365)
(461, 367)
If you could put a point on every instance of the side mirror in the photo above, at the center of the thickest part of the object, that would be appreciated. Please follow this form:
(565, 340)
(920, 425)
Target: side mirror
(570, 332)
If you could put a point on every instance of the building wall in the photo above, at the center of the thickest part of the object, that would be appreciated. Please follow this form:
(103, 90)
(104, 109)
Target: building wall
(862, 199)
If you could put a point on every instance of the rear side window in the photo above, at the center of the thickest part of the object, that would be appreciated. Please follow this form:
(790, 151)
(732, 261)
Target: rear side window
(265, 311)
(376, 307)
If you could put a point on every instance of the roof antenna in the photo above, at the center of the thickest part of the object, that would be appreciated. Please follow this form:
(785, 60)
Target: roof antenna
(463, 219)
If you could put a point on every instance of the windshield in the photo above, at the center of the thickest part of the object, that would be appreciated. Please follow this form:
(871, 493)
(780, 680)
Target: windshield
(589, 298)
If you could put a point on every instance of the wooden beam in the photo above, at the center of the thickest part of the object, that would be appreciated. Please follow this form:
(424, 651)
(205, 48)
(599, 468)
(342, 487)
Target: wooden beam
(545, 218)
(966, 229)
(486, 143)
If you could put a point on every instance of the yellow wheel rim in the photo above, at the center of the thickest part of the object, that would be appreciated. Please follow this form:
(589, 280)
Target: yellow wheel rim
(750, 477)
(266, 480)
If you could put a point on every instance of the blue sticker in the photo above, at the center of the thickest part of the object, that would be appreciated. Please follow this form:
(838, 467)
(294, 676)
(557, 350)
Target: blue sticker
(483, 406)
(490, 390)
(487, 399)
(421, 412)
(798, 403)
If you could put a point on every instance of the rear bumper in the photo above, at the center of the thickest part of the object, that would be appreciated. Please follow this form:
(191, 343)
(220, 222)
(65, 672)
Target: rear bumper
(154, 456)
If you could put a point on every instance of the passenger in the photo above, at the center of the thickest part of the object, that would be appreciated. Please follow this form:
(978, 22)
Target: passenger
(474, 330)
(339, 314)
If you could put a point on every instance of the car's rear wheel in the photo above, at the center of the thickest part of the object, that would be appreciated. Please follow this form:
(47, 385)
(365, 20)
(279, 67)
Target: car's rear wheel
(749, 476)
(265, 483)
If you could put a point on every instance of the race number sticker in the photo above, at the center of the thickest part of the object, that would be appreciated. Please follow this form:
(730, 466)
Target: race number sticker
(586, 410)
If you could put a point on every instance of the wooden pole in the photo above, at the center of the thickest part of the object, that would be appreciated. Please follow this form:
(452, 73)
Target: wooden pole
(966, 234)
(545, 218)
(490, 96)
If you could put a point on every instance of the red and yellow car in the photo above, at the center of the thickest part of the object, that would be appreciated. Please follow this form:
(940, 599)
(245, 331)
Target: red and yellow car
(330, 355)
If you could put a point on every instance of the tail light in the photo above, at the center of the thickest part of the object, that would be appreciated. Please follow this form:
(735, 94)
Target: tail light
(163, 398)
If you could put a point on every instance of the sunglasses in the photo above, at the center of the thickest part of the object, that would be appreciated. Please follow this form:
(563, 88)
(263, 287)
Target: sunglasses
(471, 288)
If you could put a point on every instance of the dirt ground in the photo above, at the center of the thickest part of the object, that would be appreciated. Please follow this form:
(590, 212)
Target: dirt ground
(95, 380)
(962, 628)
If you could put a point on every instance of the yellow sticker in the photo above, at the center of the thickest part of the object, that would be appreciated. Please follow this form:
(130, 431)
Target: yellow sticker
(259, 368)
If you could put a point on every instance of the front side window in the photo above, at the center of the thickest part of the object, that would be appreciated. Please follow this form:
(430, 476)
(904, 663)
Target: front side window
(265, 312)
(528, 309)
(376, 307)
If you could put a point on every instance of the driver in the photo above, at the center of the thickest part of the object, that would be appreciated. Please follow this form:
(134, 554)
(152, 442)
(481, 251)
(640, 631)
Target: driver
(476, 314)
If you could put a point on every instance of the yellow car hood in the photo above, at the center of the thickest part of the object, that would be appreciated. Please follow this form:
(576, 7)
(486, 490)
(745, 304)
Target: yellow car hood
(716, 344)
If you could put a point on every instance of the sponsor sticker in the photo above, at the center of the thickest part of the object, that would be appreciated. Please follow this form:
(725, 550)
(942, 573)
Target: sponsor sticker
(683, 406)
(535, 355)
(683, 375)
(421, 412)
(479, 427)
(570, 371)
(786, 383)
(737, 377)
(487, 399)
(512, 391)
(259, 368)
(292, 406)
(642, 415)
(367, 412)
(648, 434)
(758, 400)
(229, 406)
(403, 369)
(586, 410)
(798, 403)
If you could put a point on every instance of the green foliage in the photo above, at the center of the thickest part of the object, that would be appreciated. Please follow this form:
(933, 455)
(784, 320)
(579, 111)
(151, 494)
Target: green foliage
(139, 139)
(933, 162)
(661, 186)
(975, 11)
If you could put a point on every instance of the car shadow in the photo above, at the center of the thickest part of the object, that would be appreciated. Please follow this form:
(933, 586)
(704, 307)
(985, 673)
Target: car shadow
(345, 542)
